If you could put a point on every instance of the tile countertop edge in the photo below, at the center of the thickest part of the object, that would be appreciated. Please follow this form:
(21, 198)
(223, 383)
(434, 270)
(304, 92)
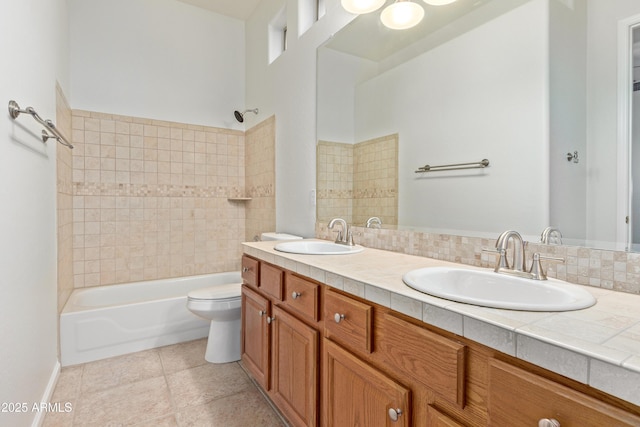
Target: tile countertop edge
(510, 332)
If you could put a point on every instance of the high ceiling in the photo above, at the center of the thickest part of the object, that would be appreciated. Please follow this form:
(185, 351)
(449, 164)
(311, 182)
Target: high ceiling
(239, 9)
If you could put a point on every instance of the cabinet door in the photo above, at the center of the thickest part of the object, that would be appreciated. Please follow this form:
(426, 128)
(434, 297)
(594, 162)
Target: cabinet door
(518, 397)
(255, 335)
(294, 368)
(358, 395)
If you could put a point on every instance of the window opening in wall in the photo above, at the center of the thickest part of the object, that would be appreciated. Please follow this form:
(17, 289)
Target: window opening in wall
(278, 35)
(309, 12)
(284, 39)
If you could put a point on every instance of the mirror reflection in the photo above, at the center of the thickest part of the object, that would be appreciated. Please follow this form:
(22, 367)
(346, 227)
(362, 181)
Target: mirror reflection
(503, 80)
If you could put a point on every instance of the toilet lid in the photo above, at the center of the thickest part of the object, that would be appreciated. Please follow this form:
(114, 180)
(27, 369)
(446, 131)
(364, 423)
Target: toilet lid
(226, 291)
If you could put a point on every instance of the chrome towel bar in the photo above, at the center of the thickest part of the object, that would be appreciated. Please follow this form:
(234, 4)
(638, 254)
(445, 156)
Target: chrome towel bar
(456, 166)
(14, 112)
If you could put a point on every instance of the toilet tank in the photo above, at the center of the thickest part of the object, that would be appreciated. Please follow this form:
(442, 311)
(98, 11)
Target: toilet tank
(278, 236)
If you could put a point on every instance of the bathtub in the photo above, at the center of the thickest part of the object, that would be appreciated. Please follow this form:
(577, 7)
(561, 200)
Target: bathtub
(108, 321)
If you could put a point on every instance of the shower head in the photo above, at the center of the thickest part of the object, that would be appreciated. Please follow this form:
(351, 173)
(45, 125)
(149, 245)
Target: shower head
(240, 116)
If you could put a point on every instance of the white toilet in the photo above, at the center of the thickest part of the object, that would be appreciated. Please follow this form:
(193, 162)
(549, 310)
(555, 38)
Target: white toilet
(221, 305)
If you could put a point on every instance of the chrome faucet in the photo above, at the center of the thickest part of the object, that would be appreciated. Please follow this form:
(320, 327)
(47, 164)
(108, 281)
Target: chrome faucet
(551, 235)
(517, 267)
(345, 236)
(374, 222)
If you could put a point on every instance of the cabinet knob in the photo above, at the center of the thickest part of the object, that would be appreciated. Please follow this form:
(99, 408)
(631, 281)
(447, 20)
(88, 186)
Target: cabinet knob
(271, 319)
(246, 269)
(394, 414)
(262, 313)
(548, 422)
(338, 317)
(295, 295)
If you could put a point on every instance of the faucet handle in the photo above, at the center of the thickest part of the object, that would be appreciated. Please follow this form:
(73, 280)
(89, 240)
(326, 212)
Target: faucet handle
(537, 273)
(502, 263)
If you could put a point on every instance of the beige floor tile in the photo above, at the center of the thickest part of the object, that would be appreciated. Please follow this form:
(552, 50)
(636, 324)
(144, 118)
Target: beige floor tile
(183, 356)
(205, 383)
(60, 419)
(116, 371)
(124, 405)
(169, 421)
(247, 408)
(69, 384)
(170, 386)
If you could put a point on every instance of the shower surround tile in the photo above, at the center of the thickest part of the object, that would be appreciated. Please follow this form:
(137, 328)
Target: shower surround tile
(150, 199)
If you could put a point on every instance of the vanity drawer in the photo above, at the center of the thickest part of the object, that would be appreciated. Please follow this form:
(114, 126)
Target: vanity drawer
(271, 280)
(348, 321)
(302, 296)
(519, 397)
(250, 271)
(436, 362)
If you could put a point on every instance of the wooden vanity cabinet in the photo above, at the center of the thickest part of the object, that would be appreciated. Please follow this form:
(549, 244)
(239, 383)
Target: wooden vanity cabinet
(279, 349)
(522, 398)
(328, 358)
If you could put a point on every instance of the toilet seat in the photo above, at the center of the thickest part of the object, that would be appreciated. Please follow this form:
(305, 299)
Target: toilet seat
(219, 293)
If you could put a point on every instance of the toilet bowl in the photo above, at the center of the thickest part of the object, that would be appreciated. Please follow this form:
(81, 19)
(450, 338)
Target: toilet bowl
(221, 306)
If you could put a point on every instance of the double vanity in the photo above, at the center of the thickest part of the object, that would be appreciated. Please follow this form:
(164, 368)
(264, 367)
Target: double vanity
(344, 339)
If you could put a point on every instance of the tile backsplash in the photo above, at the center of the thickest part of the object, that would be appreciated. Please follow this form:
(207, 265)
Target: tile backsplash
(617, 270)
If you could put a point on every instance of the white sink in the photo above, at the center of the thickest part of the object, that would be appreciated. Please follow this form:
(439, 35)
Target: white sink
(314, 247)
(490, 289)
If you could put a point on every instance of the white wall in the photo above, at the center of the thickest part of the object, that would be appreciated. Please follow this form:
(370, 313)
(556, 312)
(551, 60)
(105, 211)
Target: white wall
(35, 52)
(287, 88)
(602, 109)
(160, 59)
(568, 127)
(479, 95)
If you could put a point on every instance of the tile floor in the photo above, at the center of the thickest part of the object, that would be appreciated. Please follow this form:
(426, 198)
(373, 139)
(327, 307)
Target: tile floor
(169, 386)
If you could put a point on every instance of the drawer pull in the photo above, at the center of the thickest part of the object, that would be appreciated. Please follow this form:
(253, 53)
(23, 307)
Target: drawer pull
(338, 317)
(246, 269)
(262, 313)
(271, 319)
(295, 295)
(394, 414)
(548, 422)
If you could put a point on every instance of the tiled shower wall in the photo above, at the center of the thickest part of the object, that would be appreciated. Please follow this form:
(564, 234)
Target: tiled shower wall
(358, 181)
(334, 186)
(260, 173)
(150, 199)
(375, 180)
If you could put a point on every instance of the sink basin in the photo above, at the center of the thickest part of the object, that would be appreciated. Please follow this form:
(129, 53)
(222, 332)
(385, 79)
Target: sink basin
(490, 289)
(314, 247)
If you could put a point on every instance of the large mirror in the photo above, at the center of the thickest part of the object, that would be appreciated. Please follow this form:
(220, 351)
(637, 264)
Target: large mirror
(529, 85)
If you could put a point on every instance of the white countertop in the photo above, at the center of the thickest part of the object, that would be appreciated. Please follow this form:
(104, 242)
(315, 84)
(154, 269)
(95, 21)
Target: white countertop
(598, 346)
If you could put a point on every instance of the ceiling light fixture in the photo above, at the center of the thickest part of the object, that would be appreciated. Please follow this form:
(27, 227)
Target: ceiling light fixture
(438, 2)
(362, 6)
(402, 14)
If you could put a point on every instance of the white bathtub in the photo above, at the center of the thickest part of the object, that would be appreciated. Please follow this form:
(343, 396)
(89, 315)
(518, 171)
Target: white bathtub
(108, 321)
